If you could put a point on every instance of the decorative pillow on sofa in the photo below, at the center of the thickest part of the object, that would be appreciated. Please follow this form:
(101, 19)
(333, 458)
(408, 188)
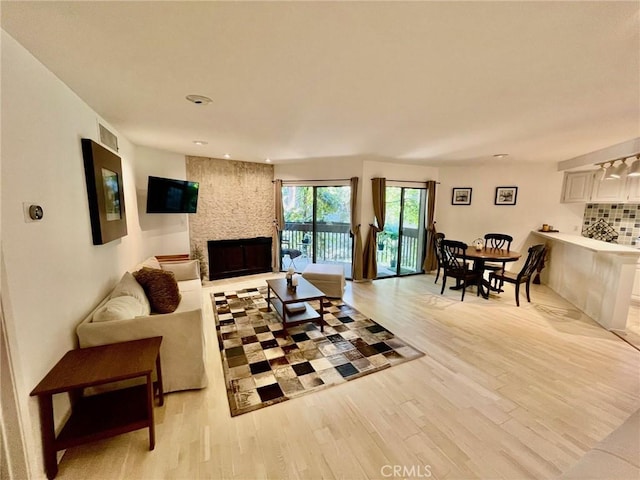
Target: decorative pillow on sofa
(128, 286)
(120, 308)
(161, 288)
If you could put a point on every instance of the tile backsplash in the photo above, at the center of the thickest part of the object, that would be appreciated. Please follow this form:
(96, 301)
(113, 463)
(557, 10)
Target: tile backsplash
(623, 217)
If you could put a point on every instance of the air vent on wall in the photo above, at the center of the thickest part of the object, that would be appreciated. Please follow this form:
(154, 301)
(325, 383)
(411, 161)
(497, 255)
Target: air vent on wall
(108, 138)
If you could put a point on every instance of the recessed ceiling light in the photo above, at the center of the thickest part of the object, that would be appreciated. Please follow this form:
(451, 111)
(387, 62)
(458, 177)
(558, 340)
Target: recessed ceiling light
(501, 155)
(200, 142)
(227, 156)
(199, 99)
(268, 160)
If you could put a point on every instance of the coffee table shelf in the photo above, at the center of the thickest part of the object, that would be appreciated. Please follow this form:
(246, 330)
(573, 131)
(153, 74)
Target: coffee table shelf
(309, 315)
(304, 293)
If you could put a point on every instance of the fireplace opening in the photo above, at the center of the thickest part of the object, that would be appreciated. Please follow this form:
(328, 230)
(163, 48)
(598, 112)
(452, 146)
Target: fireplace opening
(245, 256)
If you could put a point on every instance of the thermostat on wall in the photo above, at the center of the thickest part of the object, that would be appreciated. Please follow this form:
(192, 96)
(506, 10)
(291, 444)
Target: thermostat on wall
(36, 212)
(32, 212)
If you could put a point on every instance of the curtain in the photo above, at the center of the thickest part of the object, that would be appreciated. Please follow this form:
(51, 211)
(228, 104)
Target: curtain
(356, 262)
(379, 190)
(430, 260)
(278, 225)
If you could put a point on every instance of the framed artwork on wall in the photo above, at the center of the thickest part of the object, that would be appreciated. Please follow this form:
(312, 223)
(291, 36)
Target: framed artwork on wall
(461, 196)
(506, 195)
(103, 175)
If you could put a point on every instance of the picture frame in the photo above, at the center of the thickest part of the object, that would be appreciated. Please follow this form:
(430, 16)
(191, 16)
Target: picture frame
(103, 175)
(506, 195)
(461, 196)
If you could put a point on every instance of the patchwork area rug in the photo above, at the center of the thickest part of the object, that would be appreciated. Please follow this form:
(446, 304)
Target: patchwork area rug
(263, 365)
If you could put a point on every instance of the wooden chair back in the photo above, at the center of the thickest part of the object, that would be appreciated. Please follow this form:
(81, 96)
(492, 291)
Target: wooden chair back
(498, 240)
(454, 258)
(536, 254)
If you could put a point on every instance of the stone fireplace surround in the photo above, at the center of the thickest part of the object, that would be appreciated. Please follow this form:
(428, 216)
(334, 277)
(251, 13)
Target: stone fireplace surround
(236, 201)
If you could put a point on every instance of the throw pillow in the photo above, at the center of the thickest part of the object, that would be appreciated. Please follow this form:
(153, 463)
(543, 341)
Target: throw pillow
(128, 286)
(120, 308)
(161, 288)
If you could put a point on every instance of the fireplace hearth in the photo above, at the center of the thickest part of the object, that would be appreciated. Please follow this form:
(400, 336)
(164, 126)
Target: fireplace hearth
(245, 256)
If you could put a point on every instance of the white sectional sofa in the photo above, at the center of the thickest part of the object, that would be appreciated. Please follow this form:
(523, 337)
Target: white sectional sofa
(125, 315)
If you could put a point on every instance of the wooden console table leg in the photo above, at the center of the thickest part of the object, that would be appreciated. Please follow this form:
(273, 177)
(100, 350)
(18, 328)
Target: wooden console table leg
(160, 385)
(47, 429)
(152, 423)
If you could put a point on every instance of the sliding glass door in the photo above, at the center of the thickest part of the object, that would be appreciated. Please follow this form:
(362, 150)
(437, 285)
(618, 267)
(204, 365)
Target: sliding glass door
(402, 243)
(317, 226)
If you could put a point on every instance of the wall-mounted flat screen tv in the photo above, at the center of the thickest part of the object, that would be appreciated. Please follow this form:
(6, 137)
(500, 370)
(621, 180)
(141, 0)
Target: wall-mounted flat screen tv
(166, 195)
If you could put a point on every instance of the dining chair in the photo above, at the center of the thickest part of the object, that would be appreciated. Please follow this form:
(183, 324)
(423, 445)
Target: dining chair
(454, 264)
(437, 240)
(501, 241)
(536, 255)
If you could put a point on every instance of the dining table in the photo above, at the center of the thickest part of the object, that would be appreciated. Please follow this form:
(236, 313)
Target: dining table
(480, 257)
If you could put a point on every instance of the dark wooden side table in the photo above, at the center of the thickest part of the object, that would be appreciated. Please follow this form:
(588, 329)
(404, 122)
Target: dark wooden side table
(104, 415)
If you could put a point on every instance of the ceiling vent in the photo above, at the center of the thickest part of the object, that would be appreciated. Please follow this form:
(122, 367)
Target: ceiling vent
(108, 138)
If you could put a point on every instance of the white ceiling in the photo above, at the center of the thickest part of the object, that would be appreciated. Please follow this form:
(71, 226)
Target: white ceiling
(423, 82)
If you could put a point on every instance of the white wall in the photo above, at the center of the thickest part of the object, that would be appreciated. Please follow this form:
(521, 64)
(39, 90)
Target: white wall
(538, 202)
(52, 274)
(161, 233)
(320, 168)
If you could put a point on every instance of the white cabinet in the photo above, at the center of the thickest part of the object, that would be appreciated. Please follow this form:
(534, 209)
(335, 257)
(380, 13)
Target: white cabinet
(577, 187)
(609, 191)
(633, 189)
(583, 187)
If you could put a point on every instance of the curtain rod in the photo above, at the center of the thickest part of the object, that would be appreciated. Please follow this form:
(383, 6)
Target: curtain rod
(348, 179)
(317, 180)
(407, 181)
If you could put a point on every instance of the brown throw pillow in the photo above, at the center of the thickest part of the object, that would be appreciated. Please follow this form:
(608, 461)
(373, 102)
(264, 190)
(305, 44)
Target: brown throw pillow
(161, 289)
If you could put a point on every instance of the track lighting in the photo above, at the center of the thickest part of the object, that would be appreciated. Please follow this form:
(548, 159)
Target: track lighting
(634, 169)
(622, 170)
(611, 173)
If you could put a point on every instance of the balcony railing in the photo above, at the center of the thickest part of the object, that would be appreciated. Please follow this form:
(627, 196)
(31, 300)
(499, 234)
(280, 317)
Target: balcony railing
(334, 245)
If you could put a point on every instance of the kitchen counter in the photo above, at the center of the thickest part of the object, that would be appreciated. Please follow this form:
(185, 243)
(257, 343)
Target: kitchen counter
(590, 243)
(595, 276)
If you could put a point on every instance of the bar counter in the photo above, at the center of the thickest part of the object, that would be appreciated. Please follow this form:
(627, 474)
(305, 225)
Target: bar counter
(595, 276)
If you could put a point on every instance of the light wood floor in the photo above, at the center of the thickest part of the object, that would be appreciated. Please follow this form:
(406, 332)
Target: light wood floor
(502, 392)
(632, 332)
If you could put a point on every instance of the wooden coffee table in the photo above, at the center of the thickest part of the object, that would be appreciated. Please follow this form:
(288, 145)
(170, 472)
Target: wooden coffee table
(304, 292)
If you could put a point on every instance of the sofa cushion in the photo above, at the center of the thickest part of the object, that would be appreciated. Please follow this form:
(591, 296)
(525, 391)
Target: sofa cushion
(185, 270)
(188, 285)
(128, 286)
(191, 300)
(161, 289)
(120, 308)
(151, 262)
